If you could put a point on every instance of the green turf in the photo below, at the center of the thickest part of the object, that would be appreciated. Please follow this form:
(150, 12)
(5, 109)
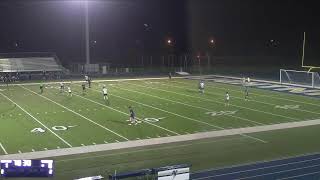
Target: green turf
(183, 109)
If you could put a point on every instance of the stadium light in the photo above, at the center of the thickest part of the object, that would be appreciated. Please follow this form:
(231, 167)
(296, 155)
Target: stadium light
(87, 36)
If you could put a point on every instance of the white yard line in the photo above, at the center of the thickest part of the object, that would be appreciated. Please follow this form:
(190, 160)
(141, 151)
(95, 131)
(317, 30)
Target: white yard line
(198, 107)
(95, 81)
(77, 114)
(185, 117)
(2, 147)
(237, 97)
(68, 144)
(158, 141)
(205, 99)
(125, 113)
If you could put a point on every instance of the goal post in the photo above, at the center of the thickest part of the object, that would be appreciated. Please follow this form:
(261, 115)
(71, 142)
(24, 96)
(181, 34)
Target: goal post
(300, 78)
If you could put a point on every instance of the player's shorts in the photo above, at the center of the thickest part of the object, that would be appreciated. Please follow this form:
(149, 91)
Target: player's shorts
(105, 94)
(132, 116)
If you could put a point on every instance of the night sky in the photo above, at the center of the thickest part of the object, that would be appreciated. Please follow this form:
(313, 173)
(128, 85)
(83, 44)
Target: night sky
(123, 29)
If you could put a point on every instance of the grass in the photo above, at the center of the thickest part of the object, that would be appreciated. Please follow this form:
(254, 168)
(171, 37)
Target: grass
(90, 120)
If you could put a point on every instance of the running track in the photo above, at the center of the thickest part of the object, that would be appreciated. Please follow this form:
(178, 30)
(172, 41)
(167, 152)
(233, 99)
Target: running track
(303, 168)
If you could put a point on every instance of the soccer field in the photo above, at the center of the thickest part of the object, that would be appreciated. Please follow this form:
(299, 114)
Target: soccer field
(165, 108)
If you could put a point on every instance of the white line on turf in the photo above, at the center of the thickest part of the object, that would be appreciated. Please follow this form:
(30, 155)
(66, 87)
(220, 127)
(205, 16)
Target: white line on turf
(32, 150)
(82, 144)
(37, 120)
(117, 141)
(198, 107)
(58, 147)
(77, 114)
(125, 113)
(105, 142)
(45, 149)
(206, 99)
(236, 97)
(221, 128)
(94, 143)
(274, 97)
(2, 147)
(19, 152)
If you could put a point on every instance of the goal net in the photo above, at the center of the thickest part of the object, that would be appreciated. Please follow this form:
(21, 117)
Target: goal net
(300, 78)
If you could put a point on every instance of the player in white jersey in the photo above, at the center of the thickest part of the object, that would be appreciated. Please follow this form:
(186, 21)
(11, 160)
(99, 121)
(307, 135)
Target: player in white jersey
(227, 99)
(61, 87)
(69, 91)
(201, 87)
(105, 93)
(248, 80)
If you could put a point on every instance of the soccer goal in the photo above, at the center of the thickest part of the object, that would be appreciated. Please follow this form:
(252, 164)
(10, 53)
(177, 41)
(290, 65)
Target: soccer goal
(300, 78)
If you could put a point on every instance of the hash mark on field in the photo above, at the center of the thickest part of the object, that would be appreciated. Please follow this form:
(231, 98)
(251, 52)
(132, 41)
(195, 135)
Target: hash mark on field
(94, 143)
(82, 144)
(46, 149)
(117, 141)
(138, 138)
(32, 150)
(105, 142)
(58, 147)
(148, 137)
(19, 152)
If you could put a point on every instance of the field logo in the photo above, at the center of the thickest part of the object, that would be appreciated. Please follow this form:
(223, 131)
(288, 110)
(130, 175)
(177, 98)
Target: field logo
(221, 113)
(55, 128)
(152, 120)
(288, 107)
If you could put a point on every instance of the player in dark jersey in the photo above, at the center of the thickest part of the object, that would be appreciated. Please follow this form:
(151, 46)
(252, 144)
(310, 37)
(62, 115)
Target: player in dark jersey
(89, 82)
(41, 88)
(83, 88)
(132, 116)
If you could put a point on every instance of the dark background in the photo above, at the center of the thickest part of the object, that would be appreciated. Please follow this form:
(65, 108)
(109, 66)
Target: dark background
(123, 29)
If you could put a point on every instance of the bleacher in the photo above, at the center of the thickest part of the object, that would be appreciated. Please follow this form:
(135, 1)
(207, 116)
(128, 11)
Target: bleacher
(29, 64)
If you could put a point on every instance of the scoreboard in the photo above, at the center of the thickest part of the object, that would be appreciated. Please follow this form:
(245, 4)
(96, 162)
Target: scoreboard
(26, 168)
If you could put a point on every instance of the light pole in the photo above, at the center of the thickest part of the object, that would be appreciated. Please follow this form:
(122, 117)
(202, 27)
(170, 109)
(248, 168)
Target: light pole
(87, 32)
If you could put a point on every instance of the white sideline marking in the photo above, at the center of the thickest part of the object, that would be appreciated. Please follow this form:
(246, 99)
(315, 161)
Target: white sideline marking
(198, 107)
(37, 121)
(4, 150)
(77, 114)
(158, 141)
(126, 113)
(185, 117)
(236, 97)
(211, 100)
